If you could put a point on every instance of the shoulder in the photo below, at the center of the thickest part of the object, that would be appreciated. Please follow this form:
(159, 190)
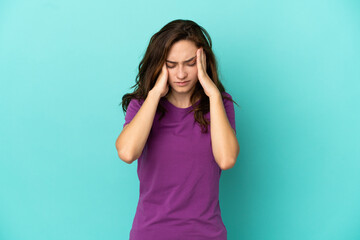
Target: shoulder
(226, 97)
(228, 102)
(226, 94)
(134, 105)
(136, 102)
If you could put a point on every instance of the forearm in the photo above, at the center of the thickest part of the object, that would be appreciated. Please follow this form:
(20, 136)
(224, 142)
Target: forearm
(133, 137)
(223, 139)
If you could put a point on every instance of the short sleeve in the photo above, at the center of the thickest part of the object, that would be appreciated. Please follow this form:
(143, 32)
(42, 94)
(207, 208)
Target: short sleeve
(132, 109)
(230, 111)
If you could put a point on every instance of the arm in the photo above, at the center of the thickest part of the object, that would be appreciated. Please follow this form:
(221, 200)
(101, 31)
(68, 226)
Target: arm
(223, 138)
(134, 135)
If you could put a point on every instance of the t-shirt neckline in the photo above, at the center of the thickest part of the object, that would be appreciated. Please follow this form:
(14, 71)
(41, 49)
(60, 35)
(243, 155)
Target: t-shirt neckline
(178, 108)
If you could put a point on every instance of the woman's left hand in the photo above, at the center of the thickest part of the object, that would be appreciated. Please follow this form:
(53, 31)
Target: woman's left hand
(209, 86)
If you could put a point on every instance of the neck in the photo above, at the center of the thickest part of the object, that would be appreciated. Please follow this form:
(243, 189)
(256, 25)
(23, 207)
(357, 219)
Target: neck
(181, 100)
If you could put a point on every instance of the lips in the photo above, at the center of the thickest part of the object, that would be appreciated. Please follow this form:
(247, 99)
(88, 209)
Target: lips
(182, 83)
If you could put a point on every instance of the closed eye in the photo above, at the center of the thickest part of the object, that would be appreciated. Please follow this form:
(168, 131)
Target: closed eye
(189, 65)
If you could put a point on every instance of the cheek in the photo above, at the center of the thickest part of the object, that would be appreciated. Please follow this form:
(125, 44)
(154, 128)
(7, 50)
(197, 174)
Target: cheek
(171, 74)
(194, 72)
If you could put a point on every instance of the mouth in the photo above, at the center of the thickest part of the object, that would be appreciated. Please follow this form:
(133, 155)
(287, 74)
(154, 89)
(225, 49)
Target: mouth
(182, 83)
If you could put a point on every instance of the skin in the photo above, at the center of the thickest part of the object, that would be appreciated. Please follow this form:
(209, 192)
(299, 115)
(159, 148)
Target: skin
(223, 138)
(181, 65)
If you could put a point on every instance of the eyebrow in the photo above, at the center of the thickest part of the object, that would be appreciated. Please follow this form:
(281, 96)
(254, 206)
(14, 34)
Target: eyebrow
(184, 61)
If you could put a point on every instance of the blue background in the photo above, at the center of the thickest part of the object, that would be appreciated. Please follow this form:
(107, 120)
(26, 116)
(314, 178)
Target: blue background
(292, 66)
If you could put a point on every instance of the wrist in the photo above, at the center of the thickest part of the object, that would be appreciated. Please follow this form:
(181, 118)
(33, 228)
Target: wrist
(216, 95)
(154, 94)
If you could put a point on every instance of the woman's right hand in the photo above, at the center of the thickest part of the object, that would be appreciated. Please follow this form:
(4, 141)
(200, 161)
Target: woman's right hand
(162, 85)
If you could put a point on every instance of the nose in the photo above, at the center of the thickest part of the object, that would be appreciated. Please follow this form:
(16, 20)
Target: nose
(181, 73)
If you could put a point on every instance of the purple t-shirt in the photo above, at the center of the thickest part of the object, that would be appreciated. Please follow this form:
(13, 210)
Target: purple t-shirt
(179, 178)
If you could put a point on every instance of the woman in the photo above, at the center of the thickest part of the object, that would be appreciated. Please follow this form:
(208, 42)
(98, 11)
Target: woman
(180, 152)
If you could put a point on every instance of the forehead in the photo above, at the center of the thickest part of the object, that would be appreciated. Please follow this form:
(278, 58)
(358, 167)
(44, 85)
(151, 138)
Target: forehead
(182, 50)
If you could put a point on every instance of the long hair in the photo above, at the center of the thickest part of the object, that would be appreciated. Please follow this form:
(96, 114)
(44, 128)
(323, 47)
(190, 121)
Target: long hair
(151, 65)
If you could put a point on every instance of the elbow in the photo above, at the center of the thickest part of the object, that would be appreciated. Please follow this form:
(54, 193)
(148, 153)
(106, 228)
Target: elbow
(230, 161)
(126, 158)
(228, 164)
(124, 155)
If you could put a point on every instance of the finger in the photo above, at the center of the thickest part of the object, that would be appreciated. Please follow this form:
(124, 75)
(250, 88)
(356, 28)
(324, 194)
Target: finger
(203, 59)
(198, 59)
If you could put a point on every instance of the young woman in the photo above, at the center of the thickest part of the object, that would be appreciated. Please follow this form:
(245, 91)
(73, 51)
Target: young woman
(180, 125)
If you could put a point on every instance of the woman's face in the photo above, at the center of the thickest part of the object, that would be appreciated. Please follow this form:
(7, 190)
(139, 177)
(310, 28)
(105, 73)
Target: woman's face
(181, 65)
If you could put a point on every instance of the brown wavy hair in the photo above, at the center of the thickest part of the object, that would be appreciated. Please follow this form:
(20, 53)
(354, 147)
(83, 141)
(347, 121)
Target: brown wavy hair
(151, 65)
